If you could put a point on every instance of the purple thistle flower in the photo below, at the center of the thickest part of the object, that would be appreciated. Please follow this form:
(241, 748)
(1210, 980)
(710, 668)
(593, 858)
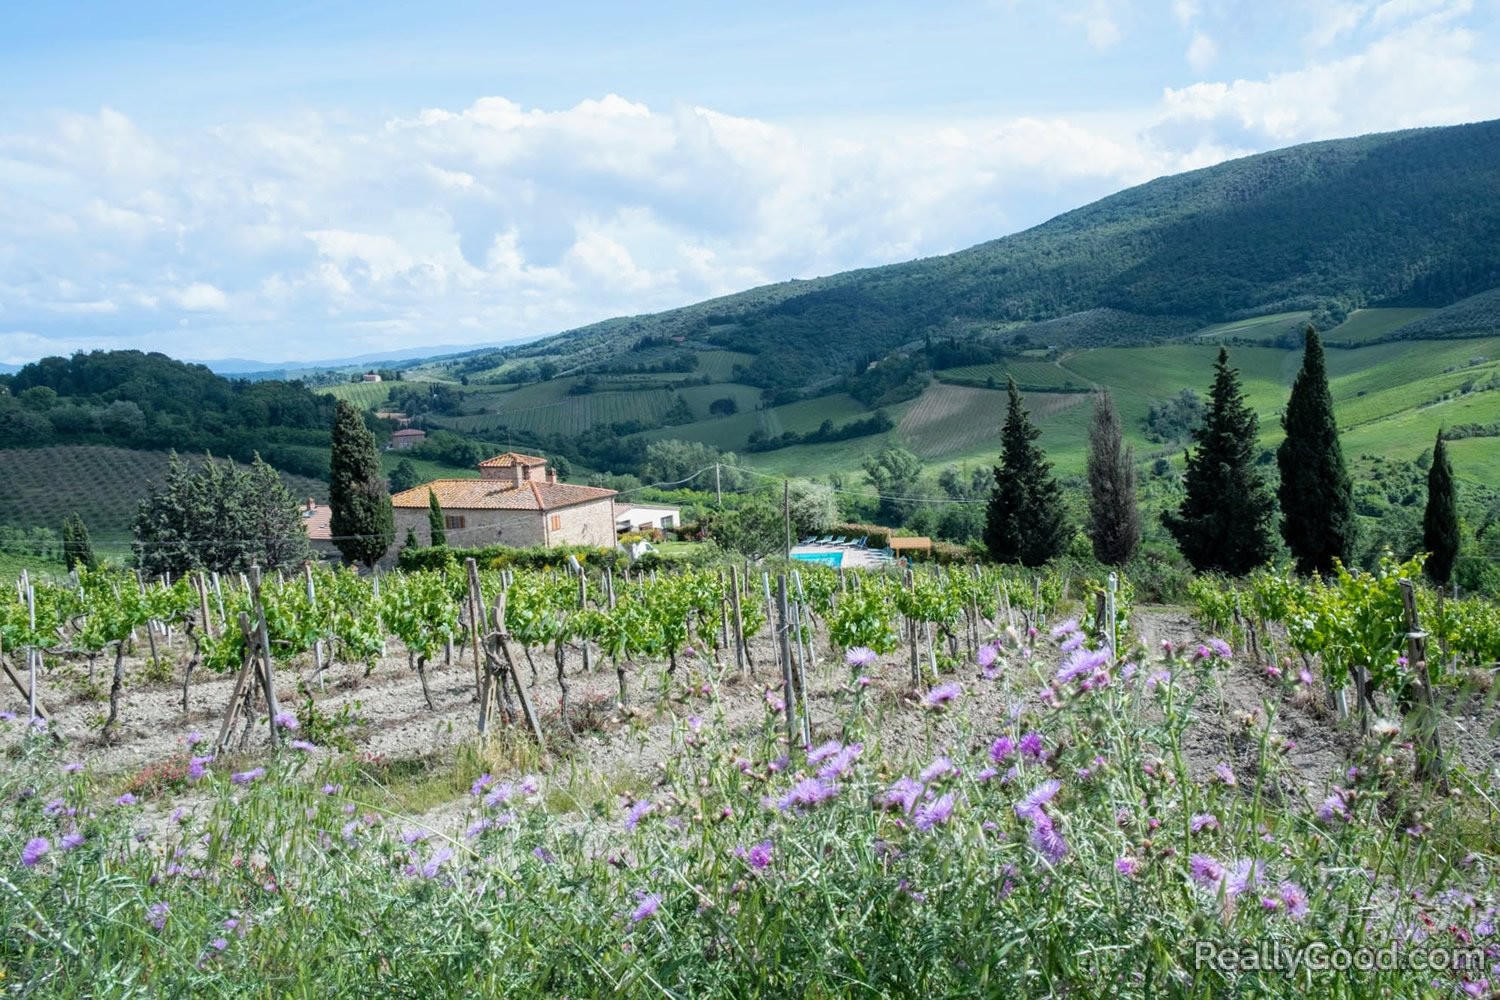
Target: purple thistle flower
(1031, 745)
(34, 850)
(218, 944)
(823, 752)
(414, 836)
(435, 863)
(1220, 648)
(1294, 899)
(1082, 663)
(1247, 875)
(530, 785)
(198, 767)
(332, 789)
(71, 841)
(194, 738)
(1046, 838)
(1066, 628)
(1203, 821)
(1335, 806)
(860, 657)
(757, 856)
(303, 746)
(941, 767)
(902, 795)
(478, 827)
(500, 793)
(943, 694)
(543, 855)
(1305, 677)
(285, 719)
(931, 814)
(72, 768)
(125, 800)
(246, 777)
(1206, 871)
(808, 793)
(1225, 774)
(637, 812)
(841, 763)
(157, 913)
(779, 764)
(481, 783)
(1002, 749)
(988, 654)
(985, 774)
(1030, 807)
(55, 807)
(647, 907)
(1127, 866)
(1071, 643)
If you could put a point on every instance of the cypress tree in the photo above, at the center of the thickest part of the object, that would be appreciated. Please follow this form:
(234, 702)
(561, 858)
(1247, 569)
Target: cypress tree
(362, 522)
(1317, 498)
(78, 549)
(1024, 521)
(1224, 521)
(1440, 521)
(274, 519)
(1114, 519)
(435, 520)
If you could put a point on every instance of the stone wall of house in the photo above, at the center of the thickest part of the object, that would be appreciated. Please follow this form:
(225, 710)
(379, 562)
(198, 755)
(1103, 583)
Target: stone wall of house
(590, 523)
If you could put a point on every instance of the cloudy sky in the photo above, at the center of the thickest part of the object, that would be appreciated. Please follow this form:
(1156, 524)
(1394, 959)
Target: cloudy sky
(288, 181)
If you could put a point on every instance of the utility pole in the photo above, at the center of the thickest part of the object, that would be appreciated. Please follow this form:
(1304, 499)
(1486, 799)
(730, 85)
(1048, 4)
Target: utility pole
(718, 494)
(786, 513)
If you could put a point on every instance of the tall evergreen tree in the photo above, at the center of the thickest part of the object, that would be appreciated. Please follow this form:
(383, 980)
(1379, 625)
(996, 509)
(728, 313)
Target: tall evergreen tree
(78, 549)
(273, 517)
(435, 520)
(1024, 521)
(1224, 521)
(404, 477)
(362, 522)
(1114, 518)
(1440, 522)
(1317, 498)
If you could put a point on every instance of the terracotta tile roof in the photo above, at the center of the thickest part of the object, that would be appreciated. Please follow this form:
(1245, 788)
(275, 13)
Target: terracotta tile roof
(318, 522)
(509, 459)
(409, 432)
(490, 494)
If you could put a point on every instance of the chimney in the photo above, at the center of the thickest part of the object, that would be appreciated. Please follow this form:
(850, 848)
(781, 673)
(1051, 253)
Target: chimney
(312, 504)
(516, 473)
(551, 474)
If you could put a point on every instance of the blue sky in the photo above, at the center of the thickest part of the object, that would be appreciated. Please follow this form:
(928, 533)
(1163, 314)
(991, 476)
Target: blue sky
(301, 181)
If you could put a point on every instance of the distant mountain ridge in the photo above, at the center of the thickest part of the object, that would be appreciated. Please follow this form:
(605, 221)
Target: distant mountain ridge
(1406, 218)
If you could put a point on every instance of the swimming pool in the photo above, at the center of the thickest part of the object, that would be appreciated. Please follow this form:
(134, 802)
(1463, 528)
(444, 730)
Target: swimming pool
(834, 559)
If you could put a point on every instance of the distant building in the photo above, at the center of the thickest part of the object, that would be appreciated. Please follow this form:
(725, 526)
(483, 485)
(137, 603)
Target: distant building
(516, 501)
(400, 419)
(371, 377)
(646, 517)
(317, 521)
(407, 437)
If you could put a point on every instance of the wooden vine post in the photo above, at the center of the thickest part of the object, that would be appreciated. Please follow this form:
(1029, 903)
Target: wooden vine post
(1429, 746)
(784, 635)
(739, 621)
(268, 672)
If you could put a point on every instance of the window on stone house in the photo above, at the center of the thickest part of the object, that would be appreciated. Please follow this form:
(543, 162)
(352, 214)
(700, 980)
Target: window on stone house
(453, 521)
(556, 522)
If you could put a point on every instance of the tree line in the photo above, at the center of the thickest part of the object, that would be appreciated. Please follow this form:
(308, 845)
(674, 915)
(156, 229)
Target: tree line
(1227, 518)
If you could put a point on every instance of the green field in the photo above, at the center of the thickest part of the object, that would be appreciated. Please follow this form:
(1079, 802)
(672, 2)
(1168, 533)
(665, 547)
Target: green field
(1365, 326)
(700, 397)
(361, 395)
(571, 415)
(1039, 376)
(426, 468)
(104, 485)
(1256, 328)
(719, 365)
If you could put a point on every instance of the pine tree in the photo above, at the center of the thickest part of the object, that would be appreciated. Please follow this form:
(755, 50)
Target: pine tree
(362, 522)
(404, 477)
(1114, 519)
(435, 520)
(1317, 498)
(274, 519)
(1024, 521)
(1440, 522)
(1224, 521)
(78, 549)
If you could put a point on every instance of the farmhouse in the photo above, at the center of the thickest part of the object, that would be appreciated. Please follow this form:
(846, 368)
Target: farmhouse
(317, 521)
(407, 437)
(646, 517)
(516, 501)
(371, 377)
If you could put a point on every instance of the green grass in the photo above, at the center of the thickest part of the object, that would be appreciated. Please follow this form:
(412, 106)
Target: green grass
(362, 395)
(719, 365)
(104, 485)
(700, 397)
(1364, 326)
(426, 468)
(1039, 376)
(570, 415)
(1256, 328)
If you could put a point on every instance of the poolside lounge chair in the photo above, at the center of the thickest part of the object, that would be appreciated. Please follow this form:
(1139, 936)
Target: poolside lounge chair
(841, 540)
(859, 542)
(825, 540)
(808, 540)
